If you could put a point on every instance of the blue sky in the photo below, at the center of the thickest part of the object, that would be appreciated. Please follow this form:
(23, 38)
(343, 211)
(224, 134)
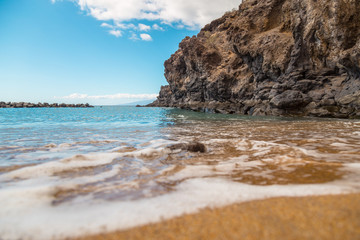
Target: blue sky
(101, 52)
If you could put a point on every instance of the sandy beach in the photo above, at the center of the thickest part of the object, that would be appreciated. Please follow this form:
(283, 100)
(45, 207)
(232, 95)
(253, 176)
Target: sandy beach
(180, 119)
(314, 217)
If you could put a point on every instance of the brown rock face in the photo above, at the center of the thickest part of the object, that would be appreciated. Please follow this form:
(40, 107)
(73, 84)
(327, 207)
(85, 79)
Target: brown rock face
(271, 57)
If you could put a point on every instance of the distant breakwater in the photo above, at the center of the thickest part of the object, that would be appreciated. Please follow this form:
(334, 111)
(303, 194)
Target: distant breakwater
(42, 105)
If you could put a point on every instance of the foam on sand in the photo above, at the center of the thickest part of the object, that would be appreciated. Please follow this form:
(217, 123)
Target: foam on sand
(28, 211)
(139, 179)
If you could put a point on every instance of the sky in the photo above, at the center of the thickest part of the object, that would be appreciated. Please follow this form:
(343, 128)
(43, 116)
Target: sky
(104, 52)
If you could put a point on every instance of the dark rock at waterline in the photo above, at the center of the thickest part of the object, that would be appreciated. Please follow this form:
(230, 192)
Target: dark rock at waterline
(196, 147)
(191, 147)
(274, 57)
(42, 105)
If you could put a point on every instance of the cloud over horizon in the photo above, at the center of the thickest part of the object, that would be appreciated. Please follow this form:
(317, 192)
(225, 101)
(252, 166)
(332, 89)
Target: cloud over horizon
(112, 96)
(192, 14)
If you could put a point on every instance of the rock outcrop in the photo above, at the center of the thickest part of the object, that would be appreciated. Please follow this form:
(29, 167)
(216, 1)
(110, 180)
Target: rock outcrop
(42, 105)
(191, 147)
(271, 57)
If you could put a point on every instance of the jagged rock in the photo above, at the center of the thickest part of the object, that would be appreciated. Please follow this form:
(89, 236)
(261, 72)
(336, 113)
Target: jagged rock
(271, 57)
(290, 99)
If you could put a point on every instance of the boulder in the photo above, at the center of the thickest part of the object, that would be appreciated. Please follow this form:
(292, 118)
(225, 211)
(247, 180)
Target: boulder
(191, 147)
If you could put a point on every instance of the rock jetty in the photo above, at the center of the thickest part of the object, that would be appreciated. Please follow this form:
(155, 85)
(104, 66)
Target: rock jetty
(42, 105)
(271, 57)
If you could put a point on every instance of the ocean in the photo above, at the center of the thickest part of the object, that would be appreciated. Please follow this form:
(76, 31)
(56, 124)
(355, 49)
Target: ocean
(67, 172)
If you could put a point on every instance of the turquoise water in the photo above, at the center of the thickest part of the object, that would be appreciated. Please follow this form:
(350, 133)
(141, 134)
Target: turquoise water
(70, 172)
(31, 130)
(29, 136)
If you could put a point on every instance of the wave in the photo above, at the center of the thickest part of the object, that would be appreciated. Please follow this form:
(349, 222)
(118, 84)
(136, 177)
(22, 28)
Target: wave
(134, 185)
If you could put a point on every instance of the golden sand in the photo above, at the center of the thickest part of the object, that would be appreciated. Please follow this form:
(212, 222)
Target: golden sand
(315, 218)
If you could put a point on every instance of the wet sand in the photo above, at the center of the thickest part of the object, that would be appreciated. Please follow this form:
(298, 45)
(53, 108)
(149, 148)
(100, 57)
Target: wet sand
(315, 217)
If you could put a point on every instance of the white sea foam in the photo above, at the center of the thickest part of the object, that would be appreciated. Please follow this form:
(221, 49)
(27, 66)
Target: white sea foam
(50, 168)
(27, 212)
(32, 209)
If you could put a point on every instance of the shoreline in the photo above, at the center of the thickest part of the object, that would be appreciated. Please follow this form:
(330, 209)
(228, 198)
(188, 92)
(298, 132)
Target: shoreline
(231, 108)
(310, 217)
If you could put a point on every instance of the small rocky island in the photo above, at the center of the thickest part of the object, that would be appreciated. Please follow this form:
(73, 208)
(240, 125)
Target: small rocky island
(42, 105)
(271, 57)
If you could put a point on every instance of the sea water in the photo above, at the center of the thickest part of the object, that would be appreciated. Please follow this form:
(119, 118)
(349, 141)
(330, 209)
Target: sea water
(70, 172)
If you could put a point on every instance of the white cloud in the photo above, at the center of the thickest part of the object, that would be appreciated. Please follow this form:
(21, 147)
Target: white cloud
(125, 26)
(134, 37)
(116, 33)
(143, 27)
(106, 25)
(157, 27)
(145, 37)
(76, 96)
(191, 13)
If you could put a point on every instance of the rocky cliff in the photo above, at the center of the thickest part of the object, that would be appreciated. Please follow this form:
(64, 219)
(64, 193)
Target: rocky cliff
(271, 57)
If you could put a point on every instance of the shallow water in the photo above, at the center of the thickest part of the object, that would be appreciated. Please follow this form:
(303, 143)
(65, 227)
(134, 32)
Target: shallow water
(69, 172)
